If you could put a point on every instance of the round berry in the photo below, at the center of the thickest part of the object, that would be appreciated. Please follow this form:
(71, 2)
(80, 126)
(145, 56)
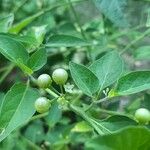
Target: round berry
(142, 115)
(60, 76)
(42, 104)
(44, 81)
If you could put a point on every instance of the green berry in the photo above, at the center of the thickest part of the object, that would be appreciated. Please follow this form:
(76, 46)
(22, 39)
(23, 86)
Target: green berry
(44, 81)
(60, 76)
(42, 104)
(142, 115)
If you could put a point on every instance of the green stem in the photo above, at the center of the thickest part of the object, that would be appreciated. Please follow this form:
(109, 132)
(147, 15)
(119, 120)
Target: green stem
(77, 19)
(49, 91)
(9, 69)
(147, 32)
(80, 112)
(97, 102)
(3, 69)
(115, 113)
(79, 24)
(61, 89)
(117, 35)
(39, 116)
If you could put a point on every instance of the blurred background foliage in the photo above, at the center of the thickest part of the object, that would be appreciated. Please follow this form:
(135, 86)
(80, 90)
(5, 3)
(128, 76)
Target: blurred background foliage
(101, 25)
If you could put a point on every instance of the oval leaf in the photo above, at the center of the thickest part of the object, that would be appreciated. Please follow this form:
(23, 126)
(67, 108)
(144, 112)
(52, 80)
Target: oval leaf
(12, 49)
(108, 68)
(84, 78)
(65, 41)
(131, 138)
(17, 108)
(38, 59)
(133, 82)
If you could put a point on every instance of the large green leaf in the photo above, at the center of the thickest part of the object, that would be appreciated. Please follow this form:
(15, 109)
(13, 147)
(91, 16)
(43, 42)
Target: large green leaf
(37, 59)
(84, 78)
(17, 108)
(108, 68)
(65, 41)
(131, 138)
(12, 49)
(133, 82)
(113, 10)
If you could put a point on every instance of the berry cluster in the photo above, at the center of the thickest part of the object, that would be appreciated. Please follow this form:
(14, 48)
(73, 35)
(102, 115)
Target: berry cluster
(44, 81)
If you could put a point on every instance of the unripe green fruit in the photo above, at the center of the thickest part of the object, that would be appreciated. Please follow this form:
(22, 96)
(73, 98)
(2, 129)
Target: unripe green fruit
(142, 115)
(44, 81)
(60, 76)
(42, 104)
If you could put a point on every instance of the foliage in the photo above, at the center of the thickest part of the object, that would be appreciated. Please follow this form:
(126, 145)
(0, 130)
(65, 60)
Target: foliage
(74, 74)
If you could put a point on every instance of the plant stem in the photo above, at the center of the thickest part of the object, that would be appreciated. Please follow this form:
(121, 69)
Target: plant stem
(117, 35)
(8, 70)
(49, 91)
(79, 111)
(39, 116)
(77, 19)
(61, 89)
(147, 32)
(115, 113)
(97, 102)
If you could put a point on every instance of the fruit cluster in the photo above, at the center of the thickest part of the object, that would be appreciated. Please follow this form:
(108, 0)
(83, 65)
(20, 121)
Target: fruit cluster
(44, 81)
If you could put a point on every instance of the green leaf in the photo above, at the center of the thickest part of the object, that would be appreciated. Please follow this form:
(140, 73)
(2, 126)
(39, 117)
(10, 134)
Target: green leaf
(131, 138)
(142, 53)
(54, 115)
(21, 25)
(65, 41)
(37, 59)
(108, 68)
(17, 108)
(6, 22)
(84, 78)
(113, 10)
(116, 122)
(24, 39)
(133, 82)
(12, 49)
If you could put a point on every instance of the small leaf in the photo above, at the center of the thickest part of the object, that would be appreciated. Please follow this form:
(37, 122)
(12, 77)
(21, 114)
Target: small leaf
(131, 138)
(133, 82)
(142, 53)
(84, 78)
(37, 59)
(17, 108)
(65, 41)
(108, 69)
